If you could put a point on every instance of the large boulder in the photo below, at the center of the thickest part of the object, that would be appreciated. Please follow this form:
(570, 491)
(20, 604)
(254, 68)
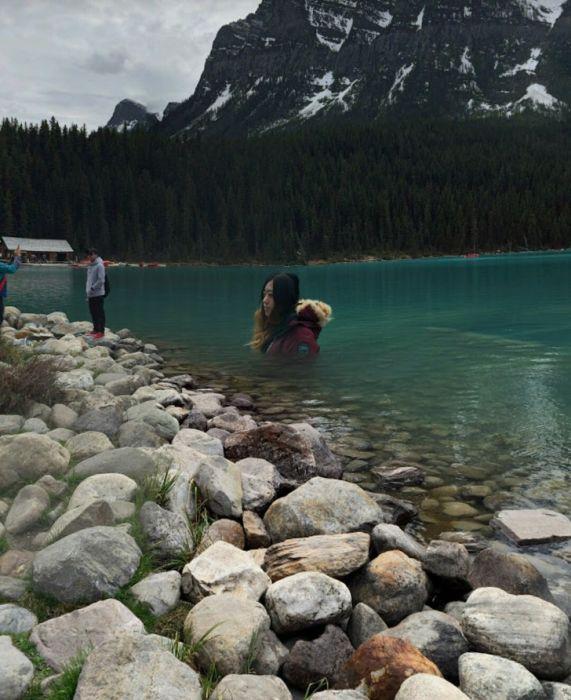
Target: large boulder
(322, 507)
(62, 638)
(90, 514)
(383, 664)
(27, 457)
(260, 481)
(168, 533)
(124, 460)
(437, 635)
(27, 508)
(220, 483)
(522, 628)
(425, 687)
(307, 600)
(230, 630)
(103, 487)
(86, 566)
(328, 464)
(280, 445)
(223, 568)
(136, 433)
(134, 666)
(248, 687)
(17, 671)
(310, 661)
(483, 676)
(334, 555)
(393, 585)
(74, 379)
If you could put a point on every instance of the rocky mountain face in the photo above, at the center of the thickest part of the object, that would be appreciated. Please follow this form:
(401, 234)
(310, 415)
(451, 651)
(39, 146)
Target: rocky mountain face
(293, 61)
(128, 115)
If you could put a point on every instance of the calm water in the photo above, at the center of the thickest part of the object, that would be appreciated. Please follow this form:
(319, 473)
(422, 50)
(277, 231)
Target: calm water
(462, 364)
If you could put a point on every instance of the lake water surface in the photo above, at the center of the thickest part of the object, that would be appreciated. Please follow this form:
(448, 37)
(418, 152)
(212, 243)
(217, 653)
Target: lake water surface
(463, 365)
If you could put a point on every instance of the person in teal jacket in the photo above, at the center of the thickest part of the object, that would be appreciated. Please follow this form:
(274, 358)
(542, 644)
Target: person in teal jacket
(5, 270)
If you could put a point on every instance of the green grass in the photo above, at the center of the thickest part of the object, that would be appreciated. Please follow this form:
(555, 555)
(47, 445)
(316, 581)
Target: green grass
(140, 610)
(202, 519)
(4, 546)
(41, 669)
(157, 488)
(209, 681)
(64, 687)
(171, 625)
(313, 688)
(44, 607)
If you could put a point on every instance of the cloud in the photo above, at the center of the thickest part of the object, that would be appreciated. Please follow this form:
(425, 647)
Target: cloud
(76, 60)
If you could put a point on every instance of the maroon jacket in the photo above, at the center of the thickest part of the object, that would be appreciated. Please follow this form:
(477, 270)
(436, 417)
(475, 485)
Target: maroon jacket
(299, 339)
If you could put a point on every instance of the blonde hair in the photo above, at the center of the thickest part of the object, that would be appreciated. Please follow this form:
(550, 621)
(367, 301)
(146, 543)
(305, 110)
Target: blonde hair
(262, 331)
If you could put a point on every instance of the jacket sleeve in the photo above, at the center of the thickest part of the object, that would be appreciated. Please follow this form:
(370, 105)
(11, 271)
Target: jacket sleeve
(9, 268)
(301, 345)
(100, 276)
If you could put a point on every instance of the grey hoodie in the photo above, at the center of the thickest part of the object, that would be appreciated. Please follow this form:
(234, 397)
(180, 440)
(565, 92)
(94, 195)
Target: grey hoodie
(95, 286)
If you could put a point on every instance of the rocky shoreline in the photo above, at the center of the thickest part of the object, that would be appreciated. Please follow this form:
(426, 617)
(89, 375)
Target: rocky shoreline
(162, 540)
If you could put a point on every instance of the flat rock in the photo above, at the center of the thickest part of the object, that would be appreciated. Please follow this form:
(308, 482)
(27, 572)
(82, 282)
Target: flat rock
(90, 514)
(17, 671)
(248, 687)
(334, 555)
(533, 526)
(387, 537)
(231, 629)
(364, 623)
(322, 507)
(483, 676)
(62, 638)
(383, 664)
(167, 532)
(103, 487)
(209, 404)
(28, 507)
(395, 475)
(87, 565)
(220, 483)
(16, 620)
(28, 457)
(436, 635)
(311, 661)
(306, 600)
(161, 591)
(424, 687)
(522, 628)
(124, 460)
(134, 666)
(260, 480)
(223, 568)
(393, 585)
(199, 441)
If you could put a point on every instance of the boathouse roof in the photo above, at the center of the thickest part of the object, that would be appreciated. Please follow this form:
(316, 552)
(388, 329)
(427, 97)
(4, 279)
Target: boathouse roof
(37, 245)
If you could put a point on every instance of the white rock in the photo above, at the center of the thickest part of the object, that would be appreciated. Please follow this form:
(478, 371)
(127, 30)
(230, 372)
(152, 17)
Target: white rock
(260, 480)
(16, 620)
(249, 687)
(103, 487)
(161, 592)
(483, 676)
(62, 416)
(223, 568)
(533, 526)
(75, 379)
(28, 507)
(199, 441)
(68, 345)
(17, 671)
(207, 403)
(220, 483)
(423, 686)
(28, 457)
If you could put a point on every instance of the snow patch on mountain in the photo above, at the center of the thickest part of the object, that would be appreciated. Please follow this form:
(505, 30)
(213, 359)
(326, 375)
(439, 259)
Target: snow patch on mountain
(326, 97)
(529, 66)
(419, 20)
(383, 19)
(398, 85)
(224, 97)
(466, 66)
(548, 11)
(537, 94)
(332, 28)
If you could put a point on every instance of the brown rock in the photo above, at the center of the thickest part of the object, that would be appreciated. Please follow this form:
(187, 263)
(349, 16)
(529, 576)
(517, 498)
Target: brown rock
(256, 534)
(16, 563)
(384, 664)
(279, 444)
(225, 531)
(334, 555)
(395, 475)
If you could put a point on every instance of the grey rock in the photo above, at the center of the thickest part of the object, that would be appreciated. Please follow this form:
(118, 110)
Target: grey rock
(364, 623)
(54, 487)
(218, 434)
(74, 379)
(122, 510)
(86, 445)
(437, 635)
(35, 425)
(307, 600)
(322, 507)
(16, 620)
(124, 460)
(483, 676)
(328, 464)
(455, 609)
(522, 628)
(248, 687)
(133, 666)
(220, 483)
(87, 565)
(100, 420)
(167, 533)
(163, 424)
(125, 386)
(160, 395)
(12, 588)
(232, 422)
(396, 475)
(231, 628)
(223, 568)
(199, 441)
(61, 435)
(533, 526)
(161, 592)
(90, 514)
(60, 639)
(28, 457)
(195, 420)
(447, 559)
(11, 424)
(339, 695)
(28, 507)
(181, 498)
(271, 655)
(260, 480)
(138, 434)
(386, 537)
(423, 686)
(61, 416)
(393, 585)
(103, 487)
(209, 404)
(556, 691)
(17, 671)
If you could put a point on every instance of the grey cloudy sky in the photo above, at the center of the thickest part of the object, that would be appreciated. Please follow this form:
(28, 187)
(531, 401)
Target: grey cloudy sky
(75, 59)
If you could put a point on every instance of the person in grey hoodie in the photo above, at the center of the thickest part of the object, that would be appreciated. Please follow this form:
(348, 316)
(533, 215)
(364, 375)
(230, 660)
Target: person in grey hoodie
(95, 290)
(7, 269)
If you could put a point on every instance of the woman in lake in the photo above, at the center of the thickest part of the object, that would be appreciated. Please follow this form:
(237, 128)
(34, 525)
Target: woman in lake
(284, 325)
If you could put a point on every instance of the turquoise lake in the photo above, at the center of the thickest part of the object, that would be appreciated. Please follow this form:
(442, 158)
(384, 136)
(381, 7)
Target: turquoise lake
(463, 365)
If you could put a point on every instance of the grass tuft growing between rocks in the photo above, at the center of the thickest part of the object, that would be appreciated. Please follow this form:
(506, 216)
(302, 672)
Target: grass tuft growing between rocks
(65, 686)
(44, 607)
(209, 681)
(171, 625)
(41, 669)
(202, 519)
(157, 488)
(140, 610)
(26, 379)
(316, 687)
(4, 547)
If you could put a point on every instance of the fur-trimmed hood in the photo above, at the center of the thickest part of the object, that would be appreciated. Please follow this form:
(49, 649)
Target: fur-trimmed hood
(312, 311)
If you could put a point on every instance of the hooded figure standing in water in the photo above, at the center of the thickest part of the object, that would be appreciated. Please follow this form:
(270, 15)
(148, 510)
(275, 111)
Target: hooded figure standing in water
(284, 325)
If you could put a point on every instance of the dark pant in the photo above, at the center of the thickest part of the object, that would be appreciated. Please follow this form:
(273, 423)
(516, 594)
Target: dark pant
(1, 310)
(97, 314)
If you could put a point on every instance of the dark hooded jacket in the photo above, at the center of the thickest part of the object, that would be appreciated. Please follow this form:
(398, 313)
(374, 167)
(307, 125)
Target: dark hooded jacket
(297, 337)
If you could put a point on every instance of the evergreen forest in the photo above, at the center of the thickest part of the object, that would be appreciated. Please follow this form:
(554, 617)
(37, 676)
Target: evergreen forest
(334, 192)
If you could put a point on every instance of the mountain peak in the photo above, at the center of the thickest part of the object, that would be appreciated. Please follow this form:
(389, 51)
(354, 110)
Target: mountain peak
(129, 114)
